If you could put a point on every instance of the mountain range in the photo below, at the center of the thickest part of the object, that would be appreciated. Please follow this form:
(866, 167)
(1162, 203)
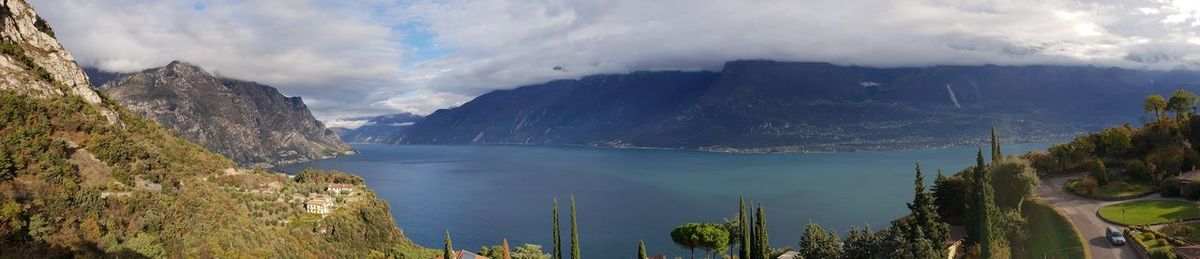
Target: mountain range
(251, 123)
(386, 129)
(771, 106)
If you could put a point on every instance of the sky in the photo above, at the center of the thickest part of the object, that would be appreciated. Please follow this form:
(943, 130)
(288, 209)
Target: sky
(355, 58)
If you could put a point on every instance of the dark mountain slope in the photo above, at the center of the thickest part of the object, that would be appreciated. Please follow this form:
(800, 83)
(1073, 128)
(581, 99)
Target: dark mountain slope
(252, 124)
(791, 106)
(608, 107)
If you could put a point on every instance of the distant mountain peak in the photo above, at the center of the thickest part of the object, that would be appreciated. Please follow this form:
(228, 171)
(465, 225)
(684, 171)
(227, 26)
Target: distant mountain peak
(388, 128)
(251, 123)
(183, 68)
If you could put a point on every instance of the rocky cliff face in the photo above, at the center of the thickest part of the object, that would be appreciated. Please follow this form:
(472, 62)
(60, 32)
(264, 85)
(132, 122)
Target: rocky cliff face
(795, 106)
(35, 64)
(252, 124)
(384, 129)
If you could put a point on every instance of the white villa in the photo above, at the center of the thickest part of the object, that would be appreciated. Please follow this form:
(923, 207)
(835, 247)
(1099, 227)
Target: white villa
(319, 204)
(340, 188)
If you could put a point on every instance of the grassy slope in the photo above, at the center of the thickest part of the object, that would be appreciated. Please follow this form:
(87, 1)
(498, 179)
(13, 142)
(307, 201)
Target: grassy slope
(1051, 235)
(1150, 212)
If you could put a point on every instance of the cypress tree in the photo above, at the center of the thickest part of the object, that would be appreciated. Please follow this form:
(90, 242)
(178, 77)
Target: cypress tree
(642, 250)
(448, 251)
(763, 243)
(574, 232)
(985, 207)
(744, 242)
(753, 239)
(557, 235)
(996, 156)
(507, 254)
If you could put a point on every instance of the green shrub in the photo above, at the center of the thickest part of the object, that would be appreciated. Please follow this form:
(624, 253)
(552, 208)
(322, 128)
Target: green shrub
(1136, 170)
(1169, 188)
(1161, 253)
(43, 26)
(1190, 191)
(1099, 172)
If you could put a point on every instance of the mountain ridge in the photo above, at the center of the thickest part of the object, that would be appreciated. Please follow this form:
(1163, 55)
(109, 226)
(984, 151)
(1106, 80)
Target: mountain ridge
(249, 122)
(776, 106)
(385, 129)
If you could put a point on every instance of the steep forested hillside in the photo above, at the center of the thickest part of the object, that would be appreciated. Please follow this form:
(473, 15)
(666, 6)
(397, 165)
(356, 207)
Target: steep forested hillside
(787, 106)
(82, 176)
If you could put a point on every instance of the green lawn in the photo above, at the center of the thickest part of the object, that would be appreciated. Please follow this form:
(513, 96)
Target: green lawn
(1150, 212)
(1112, 189)
(1053, 235)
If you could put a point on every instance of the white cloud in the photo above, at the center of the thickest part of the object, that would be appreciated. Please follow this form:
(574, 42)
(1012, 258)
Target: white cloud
(345, 123)
(423, 101)
(517, 42)
(344, 59)
(327, 52)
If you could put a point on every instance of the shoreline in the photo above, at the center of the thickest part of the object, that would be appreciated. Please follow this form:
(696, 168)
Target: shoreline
(809, 149)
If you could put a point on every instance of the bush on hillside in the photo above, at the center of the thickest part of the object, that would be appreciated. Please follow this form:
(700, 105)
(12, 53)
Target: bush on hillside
(1099, 172)
(1089, 185)
(1136, 170)
(1166, 161)
(1169, 188)
(1190, 191)
(1041, 161)
(1161, 253)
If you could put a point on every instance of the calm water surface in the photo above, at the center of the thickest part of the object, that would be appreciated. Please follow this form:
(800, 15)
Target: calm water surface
(482, 194)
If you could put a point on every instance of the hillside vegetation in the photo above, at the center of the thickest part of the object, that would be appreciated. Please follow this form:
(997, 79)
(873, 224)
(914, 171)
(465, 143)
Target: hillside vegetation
(1123, 161)
(161, 196)
(81, 176)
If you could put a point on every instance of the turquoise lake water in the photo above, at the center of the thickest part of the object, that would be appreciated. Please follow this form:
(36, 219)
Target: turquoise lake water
(483, 194)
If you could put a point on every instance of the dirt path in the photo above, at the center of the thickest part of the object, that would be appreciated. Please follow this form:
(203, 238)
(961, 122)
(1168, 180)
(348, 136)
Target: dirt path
(1082, 212)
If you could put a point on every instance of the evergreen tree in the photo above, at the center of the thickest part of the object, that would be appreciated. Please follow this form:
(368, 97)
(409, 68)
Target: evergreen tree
(642, 250)
(744, 241)
(763, 244)
(557, 235)
(951, 196)
(448, 251)
(996, 156)
(985, 210)
(921, 248)
(753, 239)
(507, 252)
(924, 222)
(861, 244)
(816, 243)
(574, 232)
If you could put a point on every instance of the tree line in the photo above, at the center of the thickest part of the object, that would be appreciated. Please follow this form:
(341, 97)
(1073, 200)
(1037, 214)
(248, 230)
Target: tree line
(967, 198)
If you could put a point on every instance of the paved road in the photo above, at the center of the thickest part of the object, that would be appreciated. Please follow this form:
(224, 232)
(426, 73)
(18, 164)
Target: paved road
(1082, 212)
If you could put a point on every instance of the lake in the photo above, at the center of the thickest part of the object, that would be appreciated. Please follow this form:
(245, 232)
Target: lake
(483, 194)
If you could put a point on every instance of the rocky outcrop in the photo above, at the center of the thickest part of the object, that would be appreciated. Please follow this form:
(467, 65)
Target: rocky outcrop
(384, 129)
(35, 64)
(798, 106)
(252, 124)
